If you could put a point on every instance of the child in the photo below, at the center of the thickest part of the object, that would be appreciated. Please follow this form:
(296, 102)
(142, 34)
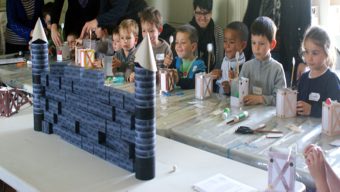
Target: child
(116, 41)
(235, 40)
(104, 43)
(151, 22)
(320, 82)
(324, 176)
(265, 74)
(71, 42)
(186, 62)
(47, 10)
(103, 46)
(123, 61)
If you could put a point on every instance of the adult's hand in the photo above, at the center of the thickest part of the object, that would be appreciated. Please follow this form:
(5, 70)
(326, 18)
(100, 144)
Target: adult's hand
(55, 35)
(88, 26)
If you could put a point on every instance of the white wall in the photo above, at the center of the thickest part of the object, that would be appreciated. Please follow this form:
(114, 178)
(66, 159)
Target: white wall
(178, 12)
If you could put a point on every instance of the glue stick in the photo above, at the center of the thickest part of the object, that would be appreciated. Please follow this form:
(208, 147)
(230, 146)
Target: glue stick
(239, 117)
(226, 113)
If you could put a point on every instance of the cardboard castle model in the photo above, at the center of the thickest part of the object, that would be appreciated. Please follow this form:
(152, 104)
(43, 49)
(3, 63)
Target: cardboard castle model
(102, 124)
(115, 125)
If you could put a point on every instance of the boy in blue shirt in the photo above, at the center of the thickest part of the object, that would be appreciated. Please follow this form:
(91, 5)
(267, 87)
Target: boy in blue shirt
(186, 62)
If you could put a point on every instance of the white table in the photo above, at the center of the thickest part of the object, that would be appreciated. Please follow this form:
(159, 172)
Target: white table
(34, 161)
(210, 132)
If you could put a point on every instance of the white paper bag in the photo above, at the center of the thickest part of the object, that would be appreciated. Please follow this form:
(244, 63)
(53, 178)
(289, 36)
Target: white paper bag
(286, 101)
(167, 80)
(203, 85)
(87, 58)
(77, 54)
(281, 170)
(63, 52)
(238, 89)
(331, 118)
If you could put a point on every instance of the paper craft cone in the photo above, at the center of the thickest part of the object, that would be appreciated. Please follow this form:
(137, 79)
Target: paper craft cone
(144, 55)
(38, 32)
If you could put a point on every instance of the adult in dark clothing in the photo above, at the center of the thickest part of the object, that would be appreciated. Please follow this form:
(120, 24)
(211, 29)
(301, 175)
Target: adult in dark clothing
(292, 19)
(208, 32)
(77, 14)
(112, 12)
(21, 18)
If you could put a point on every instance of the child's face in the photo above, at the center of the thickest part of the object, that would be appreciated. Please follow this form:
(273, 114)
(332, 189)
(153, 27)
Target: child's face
(127, 39)
(261, 46)
(48, 21)
(314, 55)
(153, 31)
(71, 41)
(232, 43)
(116, 42)
(184, 47)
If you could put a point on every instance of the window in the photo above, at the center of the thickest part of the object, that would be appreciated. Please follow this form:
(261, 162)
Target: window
(324, 13)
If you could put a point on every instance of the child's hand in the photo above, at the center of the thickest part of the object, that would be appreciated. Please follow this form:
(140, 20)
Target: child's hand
(308, 149)
(315, 161)
(253, 99)
(176, 76)
(226, 87)
(116, 63)
(79, 42)
(303, 108)
(216, 73)
(232, 74)
(131, 78)
(167, 60)
(98, 63)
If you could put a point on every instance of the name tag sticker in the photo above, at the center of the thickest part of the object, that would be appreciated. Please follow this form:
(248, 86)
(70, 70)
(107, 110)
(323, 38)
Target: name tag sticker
(257, 90)
(160, 57)
(314, 96)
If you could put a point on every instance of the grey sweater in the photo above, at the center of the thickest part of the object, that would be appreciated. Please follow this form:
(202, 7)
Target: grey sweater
(267, 75)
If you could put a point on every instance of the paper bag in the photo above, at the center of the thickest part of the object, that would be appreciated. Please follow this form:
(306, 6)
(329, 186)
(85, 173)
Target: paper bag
(238, 89)
(87, 58)
(63, 52)
(331, 118)
(203, 85)
(167, 80)
(281, 170)
(286, 101)
(77, 58)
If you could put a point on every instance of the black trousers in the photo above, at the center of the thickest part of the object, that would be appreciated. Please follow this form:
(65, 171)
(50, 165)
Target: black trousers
(12, 48)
